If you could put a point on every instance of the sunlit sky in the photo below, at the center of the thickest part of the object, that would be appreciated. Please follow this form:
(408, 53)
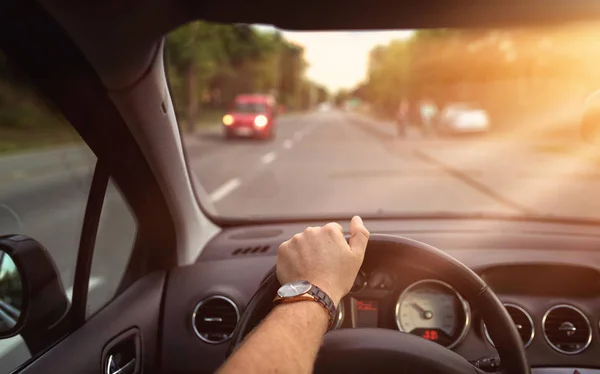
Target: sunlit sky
(339, 59)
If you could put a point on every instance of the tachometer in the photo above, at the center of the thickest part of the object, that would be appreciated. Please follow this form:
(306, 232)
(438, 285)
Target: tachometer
(433, 310)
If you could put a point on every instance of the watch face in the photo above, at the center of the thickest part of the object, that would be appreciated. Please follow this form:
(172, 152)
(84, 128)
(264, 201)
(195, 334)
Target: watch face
(294, 289)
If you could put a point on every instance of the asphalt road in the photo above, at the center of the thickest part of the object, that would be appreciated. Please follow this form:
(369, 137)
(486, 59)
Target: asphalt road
(336, 162)
(318, 164)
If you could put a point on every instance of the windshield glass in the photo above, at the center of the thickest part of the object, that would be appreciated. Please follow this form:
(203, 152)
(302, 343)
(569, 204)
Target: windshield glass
(249, 108)
(359, 124)
(463, 106)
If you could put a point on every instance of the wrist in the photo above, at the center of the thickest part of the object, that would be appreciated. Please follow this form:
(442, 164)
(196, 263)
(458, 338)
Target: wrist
(303, 290)
(334, 296)
(308, 311)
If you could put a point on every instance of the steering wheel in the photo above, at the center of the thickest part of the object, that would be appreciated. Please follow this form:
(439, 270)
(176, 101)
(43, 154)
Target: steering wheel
(375, 350)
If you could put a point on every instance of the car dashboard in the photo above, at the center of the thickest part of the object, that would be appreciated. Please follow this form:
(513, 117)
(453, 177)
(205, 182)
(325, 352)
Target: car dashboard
(547, 274)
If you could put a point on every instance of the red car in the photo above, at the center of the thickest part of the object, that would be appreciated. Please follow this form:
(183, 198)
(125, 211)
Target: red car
(252, 116)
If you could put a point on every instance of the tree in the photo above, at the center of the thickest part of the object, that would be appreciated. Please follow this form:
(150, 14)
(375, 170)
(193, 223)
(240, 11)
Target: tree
(536, 66)
(194, 54)
(209, 64)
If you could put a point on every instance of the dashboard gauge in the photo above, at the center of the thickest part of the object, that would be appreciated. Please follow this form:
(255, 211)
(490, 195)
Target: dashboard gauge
(433, 310)
(381, 280)
(339, 316)
(359, 282)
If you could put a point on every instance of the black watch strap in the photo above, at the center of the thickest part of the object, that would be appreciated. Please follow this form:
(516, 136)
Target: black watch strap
(321, 297)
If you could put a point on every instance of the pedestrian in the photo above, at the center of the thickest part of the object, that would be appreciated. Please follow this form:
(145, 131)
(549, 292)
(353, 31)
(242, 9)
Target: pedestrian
(402, 115)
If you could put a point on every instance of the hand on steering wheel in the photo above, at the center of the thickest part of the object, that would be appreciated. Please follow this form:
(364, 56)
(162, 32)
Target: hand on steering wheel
(389, 351)
(322, 256)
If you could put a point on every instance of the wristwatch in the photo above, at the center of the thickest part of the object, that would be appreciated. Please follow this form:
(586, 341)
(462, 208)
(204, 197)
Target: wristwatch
(303, 290)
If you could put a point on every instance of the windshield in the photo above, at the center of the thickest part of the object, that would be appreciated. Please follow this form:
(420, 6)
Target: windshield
(249, 108)
(360, 125)
(463, 106)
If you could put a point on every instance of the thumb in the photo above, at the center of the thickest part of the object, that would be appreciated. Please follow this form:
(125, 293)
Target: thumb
(359, 235)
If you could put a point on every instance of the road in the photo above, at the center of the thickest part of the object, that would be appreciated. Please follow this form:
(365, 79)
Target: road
(337, 162)
(319, 163)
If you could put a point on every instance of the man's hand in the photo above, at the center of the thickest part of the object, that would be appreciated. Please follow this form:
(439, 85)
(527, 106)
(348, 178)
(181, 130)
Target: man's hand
(288, 339)
(322, 256)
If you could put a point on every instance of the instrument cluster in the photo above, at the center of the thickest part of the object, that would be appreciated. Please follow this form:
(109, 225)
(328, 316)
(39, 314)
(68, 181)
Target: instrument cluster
(429, 308)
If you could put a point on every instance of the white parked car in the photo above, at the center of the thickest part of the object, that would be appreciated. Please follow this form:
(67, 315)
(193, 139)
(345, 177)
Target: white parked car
(460, 118)
(324, 107)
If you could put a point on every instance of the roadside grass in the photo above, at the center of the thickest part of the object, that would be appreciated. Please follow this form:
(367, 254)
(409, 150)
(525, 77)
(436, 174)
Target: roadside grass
(42, 132)
(21, 138)
(212, 117)
(209, 118)
(206, 118)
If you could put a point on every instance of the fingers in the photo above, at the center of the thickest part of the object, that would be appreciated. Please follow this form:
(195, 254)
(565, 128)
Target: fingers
(359, 235)
(334, 228)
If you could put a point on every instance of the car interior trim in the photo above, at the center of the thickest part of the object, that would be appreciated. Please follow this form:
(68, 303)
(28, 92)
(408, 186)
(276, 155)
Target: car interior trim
(87, 242)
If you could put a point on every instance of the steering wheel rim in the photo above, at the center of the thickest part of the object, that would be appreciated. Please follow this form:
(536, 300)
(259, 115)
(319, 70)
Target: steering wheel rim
(339, 343)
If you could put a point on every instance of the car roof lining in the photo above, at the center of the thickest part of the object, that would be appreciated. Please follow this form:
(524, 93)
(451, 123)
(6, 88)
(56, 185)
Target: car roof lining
(119, 38)
(388, 14)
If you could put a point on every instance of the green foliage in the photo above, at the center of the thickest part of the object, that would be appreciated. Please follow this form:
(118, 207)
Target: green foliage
(209, 64)
(481, 65)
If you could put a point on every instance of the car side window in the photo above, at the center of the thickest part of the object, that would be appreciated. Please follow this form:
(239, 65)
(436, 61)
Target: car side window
(114, 242)
(45, 178)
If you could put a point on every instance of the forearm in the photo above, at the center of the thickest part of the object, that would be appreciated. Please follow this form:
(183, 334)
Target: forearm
(287, 341)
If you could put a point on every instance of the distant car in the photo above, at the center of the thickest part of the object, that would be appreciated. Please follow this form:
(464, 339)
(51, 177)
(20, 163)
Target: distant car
(462, 118)
(251, 116)
(324, 107)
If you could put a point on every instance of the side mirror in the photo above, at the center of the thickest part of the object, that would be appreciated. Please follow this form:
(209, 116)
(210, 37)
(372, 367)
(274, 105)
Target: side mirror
(32, 297)
(590, 120)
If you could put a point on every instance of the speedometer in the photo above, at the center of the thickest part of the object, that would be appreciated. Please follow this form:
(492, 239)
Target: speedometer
(433, 310)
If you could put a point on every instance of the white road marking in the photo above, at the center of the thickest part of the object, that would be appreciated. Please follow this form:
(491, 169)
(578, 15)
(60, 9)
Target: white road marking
(268, 158)
(225, 189)
(308, 129)
(288, 144)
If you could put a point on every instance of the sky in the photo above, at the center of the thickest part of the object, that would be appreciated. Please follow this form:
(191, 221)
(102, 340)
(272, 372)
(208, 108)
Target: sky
(339, 59)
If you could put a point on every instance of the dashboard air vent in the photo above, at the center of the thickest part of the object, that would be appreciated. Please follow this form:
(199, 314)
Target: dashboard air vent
(251, 250)
(522, 321)
(215, 318)
(567, 329)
